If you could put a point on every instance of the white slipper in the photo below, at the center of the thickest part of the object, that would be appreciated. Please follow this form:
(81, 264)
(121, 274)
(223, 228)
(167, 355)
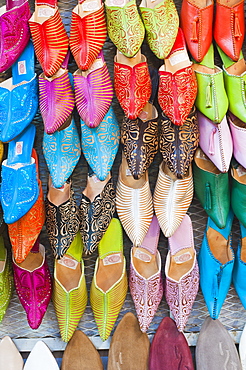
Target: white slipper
(10, 358)
(41, 358)
(242, 348)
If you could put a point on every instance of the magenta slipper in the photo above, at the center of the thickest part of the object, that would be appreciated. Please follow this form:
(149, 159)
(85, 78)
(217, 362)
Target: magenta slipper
(32, 280)
(93, 92)
(182, 274)
(14, 34)
(145, 280)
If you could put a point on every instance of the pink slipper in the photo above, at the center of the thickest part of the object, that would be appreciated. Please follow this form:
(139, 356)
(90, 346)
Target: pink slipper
(145, 281)
(182, 275)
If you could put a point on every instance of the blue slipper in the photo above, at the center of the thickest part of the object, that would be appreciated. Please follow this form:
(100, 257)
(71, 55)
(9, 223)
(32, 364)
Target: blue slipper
(216, 261)
(62, 152)
(100, 144)
(19, 187)
(19, 96)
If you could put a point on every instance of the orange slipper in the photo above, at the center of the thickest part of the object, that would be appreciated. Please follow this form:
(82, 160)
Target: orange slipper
(24, 232)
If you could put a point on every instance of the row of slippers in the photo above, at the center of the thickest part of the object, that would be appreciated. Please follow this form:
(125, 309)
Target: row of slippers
(131, 349)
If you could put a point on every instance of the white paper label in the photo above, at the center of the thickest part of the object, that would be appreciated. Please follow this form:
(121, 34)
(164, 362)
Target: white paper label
(118, 3)
(178, 58)
(88, 6)
(96, 65)
(182, 258)
(46, 12)
(18, 147)
(241, 171)
(145, 257)
(68, 262)
(22, 67)
(128, 172)
(112, 259)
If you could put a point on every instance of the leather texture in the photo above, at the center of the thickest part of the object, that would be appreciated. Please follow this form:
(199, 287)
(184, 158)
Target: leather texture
(80, 353)
(132, 87)
(15, 34)
(127, 337)
(216, 141)
(100, 145)
(161, 25)
(238, 133)
(50, 42)
(179, 143)
(215, 277)
(215, 202)
(62, 152)
(6, 283)
(197, 25)
(211, 99)
(41, 357)
(172, 198)
(34, 289)
(238, 191)
(87, 36)
(229, 28)
(140, 143)
(56, 100)
(93, 92)
(10, 355)
(169, 349)
(125, 27)
(215, 340)
(239, 269)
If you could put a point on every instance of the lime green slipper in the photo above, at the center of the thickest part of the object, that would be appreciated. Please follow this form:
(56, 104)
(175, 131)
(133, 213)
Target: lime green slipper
(6, 280)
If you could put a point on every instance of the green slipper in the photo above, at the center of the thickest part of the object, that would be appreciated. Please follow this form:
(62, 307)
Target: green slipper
(6, 280)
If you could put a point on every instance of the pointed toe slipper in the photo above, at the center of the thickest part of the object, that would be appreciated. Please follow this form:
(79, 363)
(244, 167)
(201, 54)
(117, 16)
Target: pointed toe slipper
(41, 357)
(172, 198)
(10, 357)
(215, 340)
(182, 273)
(6, 281)
(33, 284)
(19, 187)
(145, 278)
(140, 140)
(93, 92)
(169, 349)
(127, 337)
(49, 36)
(80, 353)
(109, 284)
(100, 145)
(179, 143)
(134, 204)
(88, 32)
(15, 33)
(62, 152)
(69, 289)
(19, 96)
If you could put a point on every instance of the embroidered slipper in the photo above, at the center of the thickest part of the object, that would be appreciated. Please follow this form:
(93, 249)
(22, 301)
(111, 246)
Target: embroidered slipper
(109, 284)
(6, 282)
(15, 32)
(33, 284)
(56, 98)
(19, 96)
(62, 152)
(69, 289)
(178, 86)
(24, 232)
(145, 279)
(88, 32)
(19, 187)
(161, 22)
(96, 210)
(125, 27)
(132, 83)
(182, 273)
(100, 145)
(49, 36)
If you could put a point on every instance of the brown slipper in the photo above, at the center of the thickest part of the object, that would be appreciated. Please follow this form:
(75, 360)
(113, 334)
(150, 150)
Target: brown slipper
(126, 339)
(81, 354)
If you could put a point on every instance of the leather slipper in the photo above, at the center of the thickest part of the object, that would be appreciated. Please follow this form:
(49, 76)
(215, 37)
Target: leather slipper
(41, 358)
(215, 340)
(81, 354)
(126, 339)
(169, 349)
(10, 357)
